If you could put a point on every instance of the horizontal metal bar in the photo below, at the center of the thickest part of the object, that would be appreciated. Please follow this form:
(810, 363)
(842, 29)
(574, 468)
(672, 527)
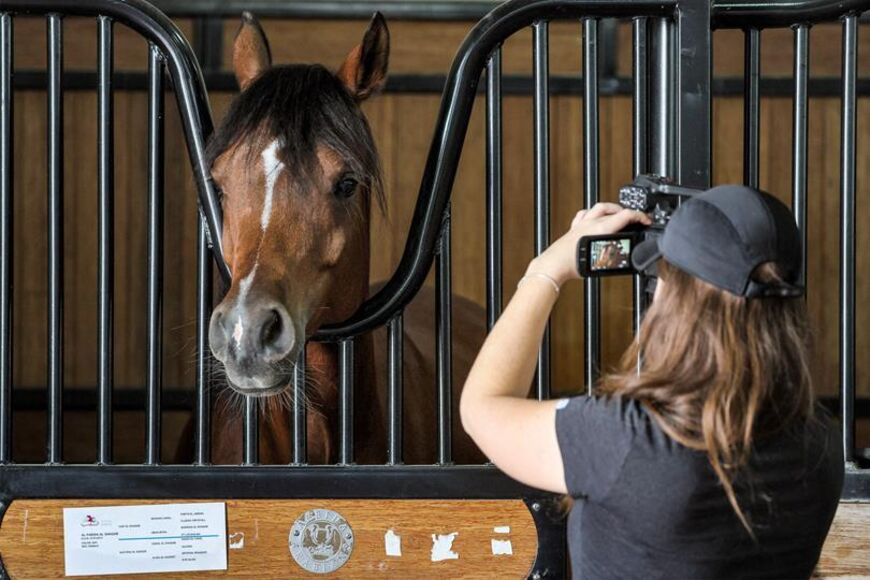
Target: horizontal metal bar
(780, 13)
(434, 84)
(275, 481)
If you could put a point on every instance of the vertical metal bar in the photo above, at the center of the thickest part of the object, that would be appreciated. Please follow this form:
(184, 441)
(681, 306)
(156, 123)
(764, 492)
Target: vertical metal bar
(592, 299)
(395, 394)
(640, 136)
(799, 156)
(444, 342)
(203, 371)
(541, 103)
(494, 175)
(55, 240)
(251, 435)
(155, 255)
(6, 97)
(300, 419)
(691, 54)
(345, 401)
(661, 144)
(106, 270)
(751, 106)
(847, 234)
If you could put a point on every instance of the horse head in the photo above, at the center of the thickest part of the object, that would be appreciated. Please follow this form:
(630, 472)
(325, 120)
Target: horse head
(296, 165)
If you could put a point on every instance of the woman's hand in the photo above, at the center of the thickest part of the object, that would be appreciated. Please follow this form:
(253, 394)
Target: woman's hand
(559, 261)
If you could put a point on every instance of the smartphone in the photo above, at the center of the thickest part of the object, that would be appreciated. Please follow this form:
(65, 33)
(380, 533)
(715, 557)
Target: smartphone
(606, 255)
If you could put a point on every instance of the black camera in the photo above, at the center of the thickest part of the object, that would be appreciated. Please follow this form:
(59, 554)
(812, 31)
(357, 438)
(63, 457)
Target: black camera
(610, 254)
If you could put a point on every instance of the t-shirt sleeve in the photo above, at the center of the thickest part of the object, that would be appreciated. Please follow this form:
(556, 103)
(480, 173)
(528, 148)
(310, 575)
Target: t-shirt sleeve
(595, 435)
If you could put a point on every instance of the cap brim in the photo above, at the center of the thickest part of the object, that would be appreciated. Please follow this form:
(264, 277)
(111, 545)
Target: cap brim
(645, 255)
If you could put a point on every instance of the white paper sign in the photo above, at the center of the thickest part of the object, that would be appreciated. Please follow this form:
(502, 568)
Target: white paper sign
(179, 537)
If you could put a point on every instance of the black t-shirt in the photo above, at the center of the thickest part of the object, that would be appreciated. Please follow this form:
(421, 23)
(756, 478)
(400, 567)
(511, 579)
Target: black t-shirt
(648, 507)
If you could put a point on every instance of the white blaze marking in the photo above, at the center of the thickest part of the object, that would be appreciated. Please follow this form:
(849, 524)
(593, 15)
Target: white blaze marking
(502, 529)
(442, 547)
(502, 548)
(237, 541)
(393, 543)
(238, 332)
(271, 167)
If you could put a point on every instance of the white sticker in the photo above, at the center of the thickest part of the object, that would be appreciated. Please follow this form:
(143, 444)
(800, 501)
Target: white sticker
(502, 529)
(145, 538)
(442, 547)
(562, 403)
(502, 548)
(392, 543)
(237, 541)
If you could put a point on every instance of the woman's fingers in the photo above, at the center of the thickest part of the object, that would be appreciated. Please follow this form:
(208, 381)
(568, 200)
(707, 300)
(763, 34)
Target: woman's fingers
(618, 221)
(602, 209)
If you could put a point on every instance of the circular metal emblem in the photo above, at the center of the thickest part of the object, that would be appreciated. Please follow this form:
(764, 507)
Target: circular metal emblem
(321, 541)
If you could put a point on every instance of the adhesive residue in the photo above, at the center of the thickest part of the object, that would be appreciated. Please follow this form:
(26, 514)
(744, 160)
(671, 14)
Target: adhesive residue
(237, 541)
(442, 547)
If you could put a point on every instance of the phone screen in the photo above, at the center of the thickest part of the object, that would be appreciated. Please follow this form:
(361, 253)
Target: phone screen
(611, 255)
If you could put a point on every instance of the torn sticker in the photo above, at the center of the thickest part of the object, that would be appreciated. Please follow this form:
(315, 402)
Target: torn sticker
(442, 547)
(502, 529)
(502, 548)
(392, 543)
(237, 541)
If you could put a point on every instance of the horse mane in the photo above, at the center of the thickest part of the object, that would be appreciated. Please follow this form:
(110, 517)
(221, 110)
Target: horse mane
(306, 106)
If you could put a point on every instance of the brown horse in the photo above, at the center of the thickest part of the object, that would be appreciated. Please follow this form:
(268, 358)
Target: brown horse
(298, 170)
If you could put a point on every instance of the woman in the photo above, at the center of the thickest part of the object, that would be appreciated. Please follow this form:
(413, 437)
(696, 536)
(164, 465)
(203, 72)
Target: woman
(712, 461)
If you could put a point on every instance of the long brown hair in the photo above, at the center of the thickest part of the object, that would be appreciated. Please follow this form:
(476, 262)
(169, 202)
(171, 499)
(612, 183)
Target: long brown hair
(718, 370)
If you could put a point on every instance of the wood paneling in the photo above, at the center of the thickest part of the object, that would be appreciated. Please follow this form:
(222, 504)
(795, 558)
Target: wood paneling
(31, 537)
(846, 553)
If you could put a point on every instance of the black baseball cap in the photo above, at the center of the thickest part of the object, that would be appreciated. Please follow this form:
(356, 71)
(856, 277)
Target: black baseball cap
(723, 234)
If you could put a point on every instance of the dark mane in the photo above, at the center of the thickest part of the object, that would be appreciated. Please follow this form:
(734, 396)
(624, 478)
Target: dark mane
(306, 106)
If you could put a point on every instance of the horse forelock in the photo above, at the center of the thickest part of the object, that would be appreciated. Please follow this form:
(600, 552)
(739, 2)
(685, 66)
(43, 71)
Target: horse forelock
(302, 108)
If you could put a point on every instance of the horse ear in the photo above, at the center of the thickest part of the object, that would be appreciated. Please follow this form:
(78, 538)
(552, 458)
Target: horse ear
(251, 54)
(364, 71)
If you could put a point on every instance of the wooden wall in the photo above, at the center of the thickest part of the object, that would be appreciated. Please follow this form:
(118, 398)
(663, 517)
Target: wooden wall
(403, 126)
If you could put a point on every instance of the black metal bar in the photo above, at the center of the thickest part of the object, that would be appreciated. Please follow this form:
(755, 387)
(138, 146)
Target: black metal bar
(300, 412)
(154, 378)
(251, 433)
(799, 141)
(847, 234)
(395, 392)
(661, 121)
(591, 297)
(345, 402)
(541, 104)
(202, 455)
(494, 193)
(640, 137)
(751, 106)
(692, 57)
(434, 84)
(780, 13)
(54, 434)
(444, 342)
(105, 267)
(6, 139)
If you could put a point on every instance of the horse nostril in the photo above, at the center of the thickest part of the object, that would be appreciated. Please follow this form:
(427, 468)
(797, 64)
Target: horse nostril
(276, 334)
(271, 329)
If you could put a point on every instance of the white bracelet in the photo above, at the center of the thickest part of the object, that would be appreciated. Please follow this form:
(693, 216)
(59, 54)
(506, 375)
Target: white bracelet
(542, 276)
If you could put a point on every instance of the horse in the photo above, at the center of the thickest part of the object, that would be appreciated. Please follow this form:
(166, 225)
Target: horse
(297, 170)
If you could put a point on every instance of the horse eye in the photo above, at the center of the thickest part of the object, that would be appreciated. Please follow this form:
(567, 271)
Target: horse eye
(345, 187)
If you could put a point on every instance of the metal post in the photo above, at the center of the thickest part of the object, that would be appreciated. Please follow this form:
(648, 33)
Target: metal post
(751, 106)
(799, 156)
(444, 342)
(54, 434)
(6, 136)
(494, 176)
(345, 402)
(395, 393)
(300, 419)
(662, 95)
(592, 299)
(541, 103)
(203, 372)
(691, 115)
(847, 234)
(640, 137)
(153, 379)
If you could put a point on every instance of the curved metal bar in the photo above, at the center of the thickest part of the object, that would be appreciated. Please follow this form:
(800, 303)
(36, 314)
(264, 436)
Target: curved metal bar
(187, 82)
(446, 147)
(780, 13)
